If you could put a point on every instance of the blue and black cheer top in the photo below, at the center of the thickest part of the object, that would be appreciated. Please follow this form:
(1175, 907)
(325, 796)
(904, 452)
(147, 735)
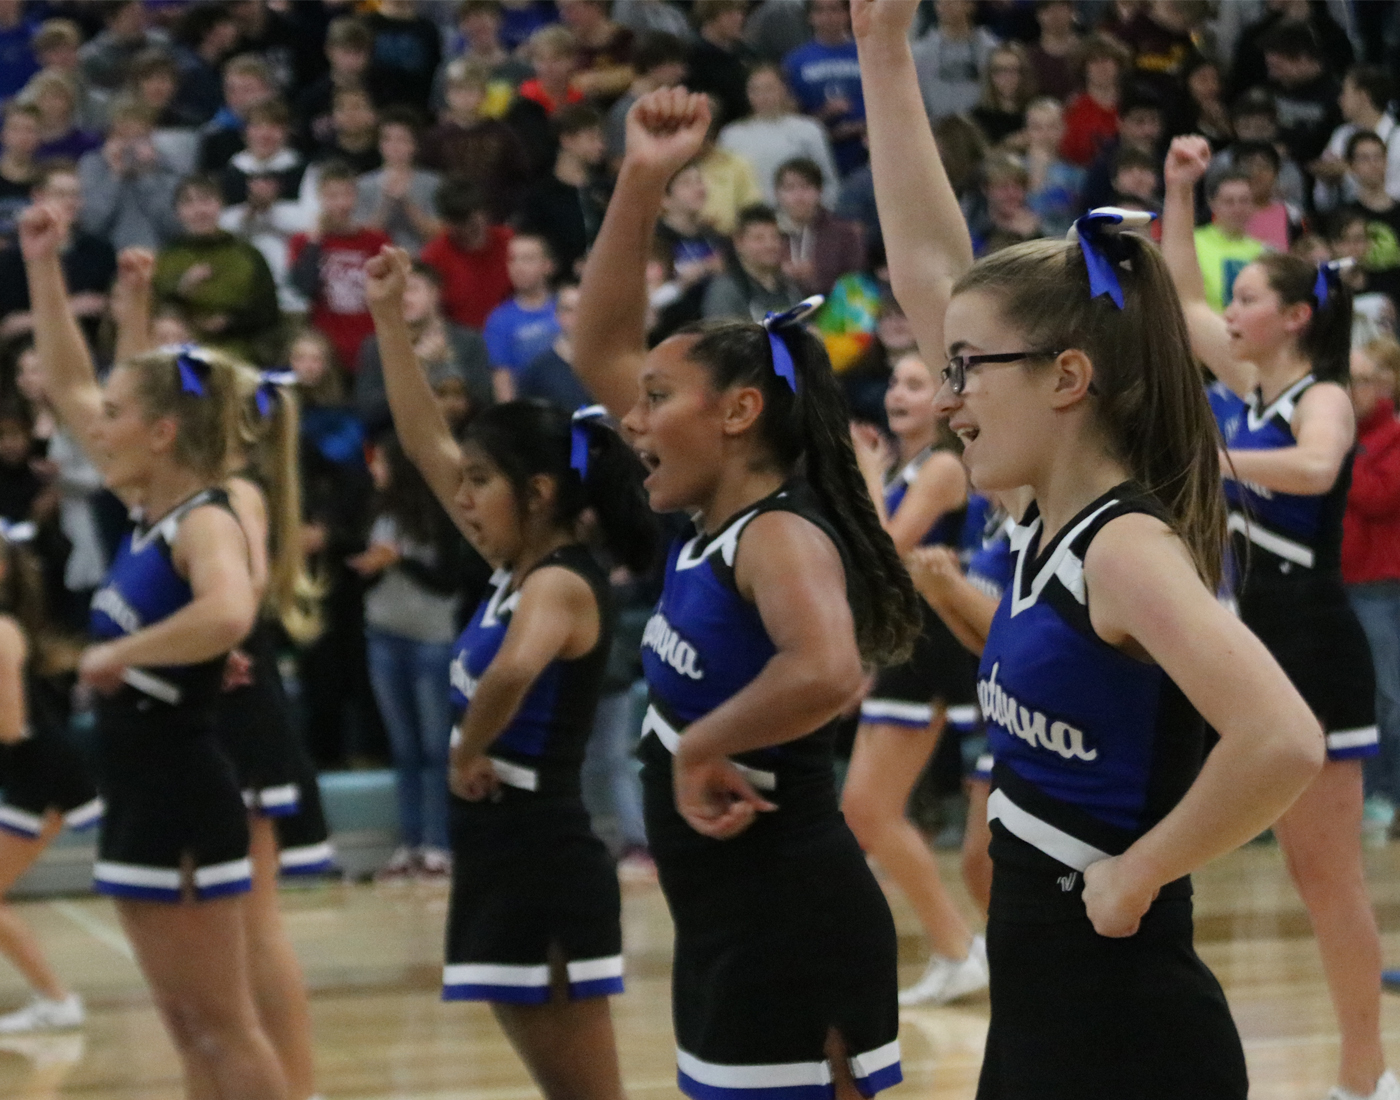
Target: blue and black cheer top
(143, 588)
(1092, 747)
(541, 750)
(1285, 531)
(705, 643)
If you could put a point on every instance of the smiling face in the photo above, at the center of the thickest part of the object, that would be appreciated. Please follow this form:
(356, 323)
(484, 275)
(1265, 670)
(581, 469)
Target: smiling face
(490, 508)
(1004, 416)
(677, 428)
(909, 399)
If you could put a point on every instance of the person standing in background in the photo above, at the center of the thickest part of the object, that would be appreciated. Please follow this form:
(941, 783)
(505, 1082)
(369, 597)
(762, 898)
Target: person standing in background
(825, 78)
(1371, 546)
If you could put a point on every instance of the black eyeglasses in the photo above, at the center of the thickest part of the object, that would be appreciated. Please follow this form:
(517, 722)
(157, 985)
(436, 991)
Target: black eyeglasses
(955, 373)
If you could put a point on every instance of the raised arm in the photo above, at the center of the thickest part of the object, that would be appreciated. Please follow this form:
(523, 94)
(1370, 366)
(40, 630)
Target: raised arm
(665, 131)
(131, 302)
(71, 378)
(926, 236)
(421, 429)
(1187, 161)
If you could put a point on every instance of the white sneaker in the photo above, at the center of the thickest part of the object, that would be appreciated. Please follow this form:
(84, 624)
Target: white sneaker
(400, 867)
(1387, 1088)
(44, 1014)
(946, 980)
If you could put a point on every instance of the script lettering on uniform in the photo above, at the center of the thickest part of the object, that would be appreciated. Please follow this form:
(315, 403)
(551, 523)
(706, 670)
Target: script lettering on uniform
(109, 601)
(1031, 726)
(462, 680)
(663, 640)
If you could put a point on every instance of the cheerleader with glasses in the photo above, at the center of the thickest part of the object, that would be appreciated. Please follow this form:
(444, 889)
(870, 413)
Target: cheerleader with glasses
(180, 595)
(1281, 353)
(1070, 381)
(784, 976)
(534, 922)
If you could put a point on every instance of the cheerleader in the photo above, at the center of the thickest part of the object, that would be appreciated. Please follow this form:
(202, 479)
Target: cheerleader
(253, 721)
(784, 978)
(1281, 352)
(920, 492)
(534, 920)
(46, 783)
(1070, 374)
(174, 846)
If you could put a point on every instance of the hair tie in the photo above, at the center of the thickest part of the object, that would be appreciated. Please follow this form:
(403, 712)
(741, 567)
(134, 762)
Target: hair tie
(775, 323)
(1097, 234)
(18, 532)
(1329, 275)
(269, 390)
(190, 361)
(580, 425)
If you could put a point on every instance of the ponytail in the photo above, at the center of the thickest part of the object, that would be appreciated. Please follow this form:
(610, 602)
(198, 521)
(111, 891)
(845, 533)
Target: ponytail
(1326, 341)
(526, 438)
(807, 430)
(1152, 408)
(270, 430)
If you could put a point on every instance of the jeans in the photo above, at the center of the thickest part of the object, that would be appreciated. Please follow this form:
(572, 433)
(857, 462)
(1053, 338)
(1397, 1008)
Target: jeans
(609, 765)
(410, 682)
(1377, 605)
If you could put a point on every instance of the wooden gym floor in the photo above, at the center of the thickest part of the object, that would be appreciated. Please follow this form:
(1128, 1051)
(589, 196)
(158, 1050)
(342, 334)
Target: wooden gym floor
(372, 956)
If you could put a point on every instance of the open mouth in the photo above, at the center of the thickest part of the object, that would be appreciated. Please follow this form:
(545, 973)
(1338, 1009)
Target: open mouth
(649, 461)
(966, 434)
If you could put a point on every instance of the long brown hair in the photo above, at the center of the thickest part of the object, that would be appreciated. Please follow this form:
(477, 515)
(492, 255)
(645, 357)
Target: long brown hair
(270, 430)
(1326, 341)
(1151, 405)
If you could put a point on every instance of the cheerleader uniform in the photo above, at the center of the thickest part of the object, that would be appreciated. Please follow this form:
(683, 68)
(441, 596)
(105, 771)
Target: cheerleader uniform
(45, 772)
(940, 668)
(528, 873)
(1288, 551)
(171, 796)
(781, 932)
(1092, 749)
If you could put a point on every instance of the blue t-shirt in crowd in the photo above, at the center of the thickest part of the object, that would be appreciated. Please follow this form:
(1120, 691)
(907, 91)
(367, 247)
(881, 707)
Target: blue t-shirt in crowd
(17, 61)
(515, 335)
(818, 73)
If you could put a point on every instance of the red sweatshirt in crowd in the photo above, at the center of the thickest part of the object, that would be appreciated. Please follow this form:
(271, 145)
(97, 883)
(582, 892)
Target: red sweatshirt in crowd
(1371, 528)
(331, 273)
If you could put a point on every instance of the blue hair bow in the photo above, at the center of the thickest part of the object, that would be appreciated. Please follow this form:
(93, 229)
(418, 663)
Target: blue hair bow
(1097, 234)
(583, 421)
(17, 532)
(774, 323)
(1329, 274)
(192, 365)
(268, 392)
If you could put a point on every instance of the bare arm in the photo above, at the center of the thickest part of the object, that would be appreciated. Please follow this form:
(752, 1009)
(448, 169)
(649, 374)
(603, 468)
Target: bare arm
(928, 243)
(13, 650)
(131, 303)
(251, 509)
(1144, 593)
(212, 551)
(939, 488)
(71, 378)
(665, 130)
(421, 429)
(965, 609)
(789, 569)
(556, 618)
(1325, 429)
(1186, 163)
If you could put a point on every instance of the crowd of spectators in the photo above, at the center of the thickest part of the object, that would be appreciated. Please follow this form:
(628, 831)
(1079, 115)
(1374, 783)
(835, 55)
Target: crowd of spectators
(265, 149)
